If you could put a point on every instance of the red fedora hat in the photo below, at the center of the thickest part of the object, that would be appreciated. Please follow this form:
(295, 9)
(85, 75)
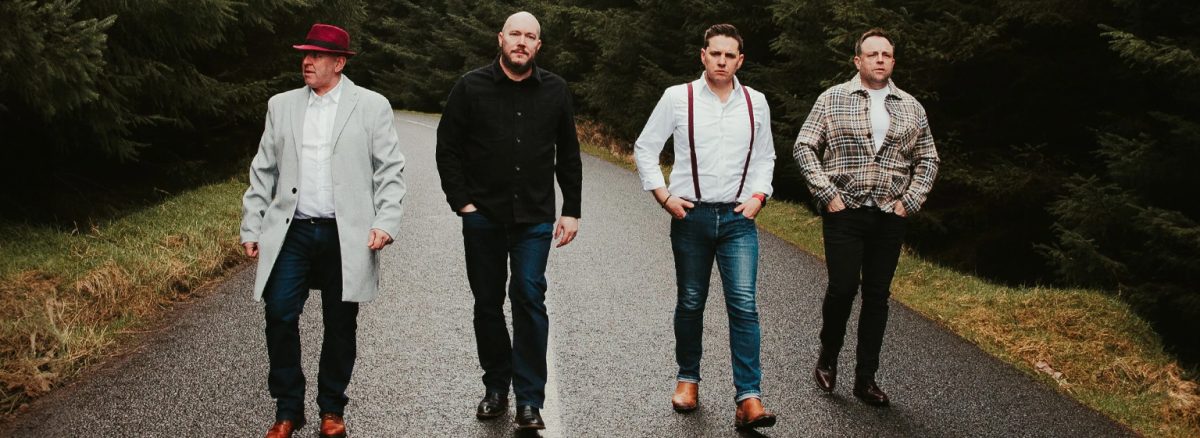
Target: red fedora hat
(326, 38)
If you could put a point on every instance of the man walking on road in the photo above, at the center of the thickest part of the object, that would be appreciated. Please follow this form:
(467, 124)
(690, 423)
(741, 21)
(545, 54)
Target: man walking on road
(868, 156)
(507, 131)
(724, 159)
(325, 196)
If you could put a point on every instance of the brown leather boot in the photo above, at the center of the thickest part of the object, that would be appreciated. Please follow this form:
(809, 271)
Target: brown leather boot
(825, 373)
(332, 426)
(751, 414)
(282, 429)
(686, 398)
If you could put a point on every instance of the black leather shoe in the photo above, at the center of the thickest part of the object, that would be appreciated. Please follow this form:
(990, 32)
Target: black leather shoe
(494, 404)
(528, 418)
(869, 393)
(825, 373)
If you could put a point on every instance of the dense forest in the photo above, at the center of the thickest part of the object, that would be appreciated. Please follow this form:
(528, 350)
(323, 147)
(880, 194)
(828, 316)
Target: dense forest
(1065, 127)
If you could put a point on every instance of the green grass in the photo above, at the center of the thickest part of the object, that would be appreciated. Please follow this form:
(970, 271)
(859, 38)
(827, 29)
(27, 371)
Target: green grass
(68, 296)
(1109, 358)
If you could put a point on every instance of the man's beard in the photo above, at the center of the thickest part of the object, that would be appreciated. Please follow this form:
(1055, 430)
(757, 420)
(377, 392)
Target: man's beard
(519, 69)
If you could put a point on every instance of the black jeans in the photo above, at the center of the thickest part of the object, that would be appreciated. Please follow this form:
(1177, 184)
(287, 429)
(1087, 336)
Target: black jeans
(309, 259)
(492, 250)
(862, 240)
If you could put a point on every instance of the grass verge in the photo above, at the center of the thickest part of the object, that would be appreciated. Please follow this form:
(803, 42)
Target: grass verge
(1085, 343)
(68, 296)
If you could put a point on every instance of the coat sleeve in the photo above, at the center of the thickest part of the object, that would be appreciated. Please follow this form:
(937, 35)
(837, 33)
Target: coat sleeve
(264, 174)
(451, 139)
(568, 165)
(388, 168)
(924, 168)
(808, 144)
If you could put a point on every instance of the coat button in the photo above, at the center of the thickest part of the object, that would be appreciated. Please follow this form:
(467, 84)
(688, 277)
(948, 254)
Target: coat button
(293, 190)
(287, 220)
(518, 168)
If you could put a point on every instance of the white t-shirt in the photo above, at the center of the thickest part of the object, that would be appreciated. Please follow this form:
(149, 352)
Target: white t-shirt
(879, 116)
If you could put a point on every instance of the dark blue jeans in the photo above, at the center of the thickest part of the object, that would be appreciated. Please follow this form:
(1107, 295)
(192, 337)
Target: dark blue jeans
(862, 240)
(708, 232)
(309, 259)
(492, 249)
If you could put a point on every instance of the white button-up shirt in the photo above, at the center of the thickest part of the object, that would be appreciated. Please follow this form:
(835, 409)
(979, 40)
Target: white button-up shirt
(722, 135)
(316, 174)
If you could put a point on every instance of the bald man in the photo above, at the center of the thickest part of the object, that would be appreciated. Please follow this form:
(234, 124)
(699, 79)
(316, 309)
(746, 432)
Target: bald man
(508, 131)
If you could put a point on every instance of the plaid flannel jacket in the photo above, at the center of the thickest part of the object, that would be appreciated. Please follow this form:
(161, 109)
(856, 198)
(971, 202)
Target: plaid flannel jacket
(835, 150)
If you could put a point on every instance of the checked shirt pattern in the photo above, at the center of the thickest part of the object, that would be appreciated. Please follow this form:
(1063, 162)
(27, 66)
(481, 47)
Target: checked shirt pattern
(835, 151)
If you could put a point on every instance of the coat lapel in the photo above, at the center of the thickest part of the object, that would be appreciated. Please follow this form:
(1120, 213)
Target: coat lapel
(298, 109)
(346, 106)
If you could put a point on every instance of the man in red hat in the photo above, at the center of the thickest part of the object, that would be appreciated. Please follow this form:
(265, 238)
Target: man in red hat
(309, 232)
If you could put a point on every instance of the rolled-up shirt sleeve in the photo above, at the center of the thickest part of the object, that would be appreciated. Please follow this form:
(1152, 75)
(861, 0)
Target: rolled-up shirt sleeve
(659, 127)
(762, 159)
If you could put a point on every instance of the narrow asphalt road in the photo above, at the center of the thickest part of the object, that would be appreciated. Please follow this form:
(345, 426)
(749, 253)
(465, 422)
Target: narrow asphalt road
(611, 363)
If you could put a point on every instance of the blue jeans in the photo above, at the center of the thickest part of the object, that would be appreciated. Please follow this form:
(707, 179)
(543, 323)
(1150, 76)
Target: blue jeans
(524, 248)
(309, 259)
(708, 232)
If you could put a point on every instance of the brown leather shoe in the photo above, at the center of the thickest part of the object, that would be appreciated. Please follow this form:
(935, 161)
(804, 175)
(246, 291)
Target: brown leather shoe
(869, 393)
(825, 373)
(332, 426)
(751, 414)
(686, 398)
(282, 429)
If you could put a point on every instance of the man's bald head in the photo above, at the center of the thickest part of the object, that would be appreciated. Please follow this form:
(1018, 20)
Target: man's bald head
(519, 44)
(523, 20)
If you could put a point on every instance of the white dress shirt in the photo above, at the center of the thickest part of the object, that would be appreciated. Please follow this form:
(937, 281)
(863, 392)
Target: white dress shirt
(722, 135)
(315, 199)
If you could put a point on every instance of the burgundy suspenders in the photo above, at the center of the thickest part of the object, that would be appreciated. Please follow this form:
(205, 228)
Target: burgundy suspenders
(746, 167)
(692, 142)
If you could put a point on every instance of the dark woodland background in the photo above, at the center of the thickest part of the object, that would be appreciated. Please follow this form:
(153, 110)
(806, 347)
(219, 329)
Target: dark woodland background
(1066, 128)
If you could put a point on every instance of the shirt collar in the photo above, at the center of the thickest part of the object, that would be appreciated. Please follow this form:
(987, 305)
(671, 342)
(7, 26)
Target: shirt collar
(498, 72)
(333, 96)
(737, 85)
(856, 86)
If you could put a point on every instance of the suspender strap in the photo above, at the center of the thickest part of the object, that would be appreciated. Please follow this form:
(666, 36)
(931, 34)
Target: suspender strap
(692, 143)
(746, 167)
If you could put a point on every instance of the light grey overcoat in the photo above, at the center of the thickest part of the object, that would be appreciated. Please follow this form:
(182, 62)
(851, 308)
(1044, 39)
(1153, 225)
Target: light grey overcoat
(367, 184)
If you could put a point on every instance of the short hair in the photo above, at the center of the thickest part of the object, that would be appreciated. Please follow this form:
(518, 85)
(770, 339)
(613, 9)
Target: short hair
(723, 30)
(874, 32)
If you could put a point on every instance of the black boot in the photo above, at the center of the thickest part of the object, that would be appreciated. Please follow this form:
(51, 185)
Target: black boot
(528, 418)
(825, 373)
(867, 391)
(494, 404)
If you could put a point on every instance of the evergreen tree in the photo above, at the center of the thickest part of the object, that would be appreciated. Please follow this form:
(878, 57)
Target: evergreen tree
(1126, 222)
(109, 96)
